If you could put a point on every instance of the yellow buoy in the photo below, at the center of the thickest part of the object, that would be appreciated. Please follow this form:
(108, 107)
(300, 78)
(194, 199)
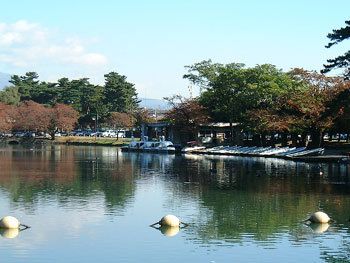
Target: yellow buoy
(9, 222)
(319, 217)
(9, 233)
(169, 231)
(169, 220)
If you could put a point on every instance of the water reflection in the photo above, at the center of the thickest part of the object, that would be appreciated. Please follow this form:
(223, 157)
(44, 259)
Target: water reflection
(319, 228)
(169, 231)
(69, 173)
(228, 201)
(9, 233)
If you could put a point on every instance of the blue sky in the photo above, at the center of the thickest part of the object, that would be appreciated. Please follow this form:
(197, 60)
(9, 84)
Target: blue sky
(151, 41)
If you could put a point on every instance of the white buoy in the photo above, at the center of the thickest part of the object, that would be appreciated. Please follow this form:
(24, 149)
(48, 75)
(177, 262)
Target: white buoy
(319, 217)
(169, 220)
(9, 222)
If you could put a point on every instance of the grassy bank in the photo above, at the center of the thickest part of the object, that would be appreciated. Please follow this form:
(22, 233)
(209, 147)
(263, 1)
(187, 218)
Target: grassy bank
(81, 140)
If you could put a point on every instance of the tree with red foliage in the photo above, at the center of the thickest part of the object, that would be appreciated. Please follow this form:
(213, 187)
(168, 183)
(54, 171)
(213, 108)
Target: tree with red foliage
(6, 121)
(311, 110)
(31, 116)
(61, 117)
(186, 115)
(119, 120)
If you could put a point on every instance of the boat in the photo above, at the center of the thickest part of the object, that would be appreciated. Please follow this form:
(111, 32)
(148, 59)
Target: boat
(280, 152)
(312, 152)
(292, 151)
(192, 147)
(150, 146)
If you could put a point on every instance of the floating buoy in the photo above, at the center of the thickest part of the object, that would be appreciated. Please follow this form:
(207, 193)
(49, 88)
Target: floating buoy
(319, 228)
(9, 222)
(169, 231)
(319, 217)
(9, 233)
(169, 220)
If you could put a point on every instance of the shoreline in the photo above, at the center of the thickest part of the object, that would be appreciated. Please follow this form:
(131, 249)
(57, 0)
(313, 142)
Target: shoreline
(333, 153)
(70, 140)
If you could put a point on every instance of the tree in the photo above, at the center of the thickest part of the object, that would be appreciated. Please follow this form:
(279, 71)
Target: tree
(203, 73)
(10, 95)
(44, 93)
(6, 121)
(31, 116)
(237, 90)
(119, 95)
(340, 107)
(61, 117)
(342, 61)
(86, 98)
(310, 110)
(186, 115)
(119, 120)
(25, 84)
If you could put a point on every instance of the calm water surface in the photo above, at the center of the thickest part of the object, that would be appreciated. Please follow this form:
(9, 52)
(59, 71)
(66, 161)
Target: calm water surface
(95, 204)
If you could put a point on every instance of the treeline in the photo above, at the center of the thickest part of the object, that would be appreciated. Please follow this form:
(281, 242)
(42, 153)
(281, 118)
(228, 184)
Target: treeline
(114, 104)
(116, 95)
(34, 117)
(264, 101)
(261, 101)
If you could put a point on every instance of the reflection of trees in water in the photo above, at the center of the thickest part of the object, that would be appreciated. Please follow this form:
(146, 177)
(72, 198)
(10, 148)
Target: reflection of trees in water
(69, 173)
(340, 255)
(262, 197)
(236, 197)
(265, 174)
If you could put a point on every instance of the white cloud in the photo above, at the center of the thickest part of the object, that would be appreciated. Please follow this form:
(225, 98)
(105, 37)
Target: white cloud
(24, 44)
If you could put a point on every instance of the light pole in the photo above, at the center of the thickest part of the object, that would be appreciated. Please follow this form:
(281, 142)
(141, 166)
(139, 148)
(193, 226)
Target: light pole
(96, 123)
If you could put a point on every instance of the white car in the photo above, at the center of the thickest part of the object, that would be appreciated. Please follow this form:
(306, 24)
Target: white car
(109, 133)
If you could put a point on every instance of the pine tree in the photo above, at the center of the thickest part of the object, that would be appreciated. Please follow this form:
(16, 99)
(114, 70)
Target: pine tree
(342, 61)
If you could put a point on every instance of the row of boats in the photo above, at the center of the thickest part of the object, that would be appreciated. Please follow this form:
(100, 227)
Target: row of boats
(169, 147)
(288, 152)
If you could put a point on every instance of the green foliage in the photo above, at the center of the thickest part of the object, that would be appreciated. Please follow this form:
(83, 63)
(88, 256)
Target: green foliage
(342, 61)
(10, 95)
(89, 100)
(236, 90)
(119, 95)
(25, 84)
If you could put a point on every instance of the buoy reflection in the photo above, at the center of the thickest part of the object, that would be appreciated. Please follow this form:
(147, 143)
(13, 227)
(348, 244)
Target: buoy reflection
(9, 233)
(319, 228)
(169, 231)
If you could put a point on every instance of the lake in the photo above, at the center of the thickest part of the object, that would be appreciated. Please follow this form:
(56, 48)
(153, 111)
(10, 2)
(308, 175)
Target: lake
(95, 204)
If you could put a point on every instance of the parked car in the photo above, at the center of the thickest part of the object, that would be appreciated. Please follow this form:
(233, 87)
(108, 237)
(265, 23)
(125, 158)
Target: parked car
(109, 133)
(97, 134)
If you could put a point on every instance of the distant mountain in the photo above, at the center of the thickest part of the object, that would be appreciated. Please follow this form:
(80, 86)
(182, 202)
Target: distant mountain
(4, 80)
(155, 104)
